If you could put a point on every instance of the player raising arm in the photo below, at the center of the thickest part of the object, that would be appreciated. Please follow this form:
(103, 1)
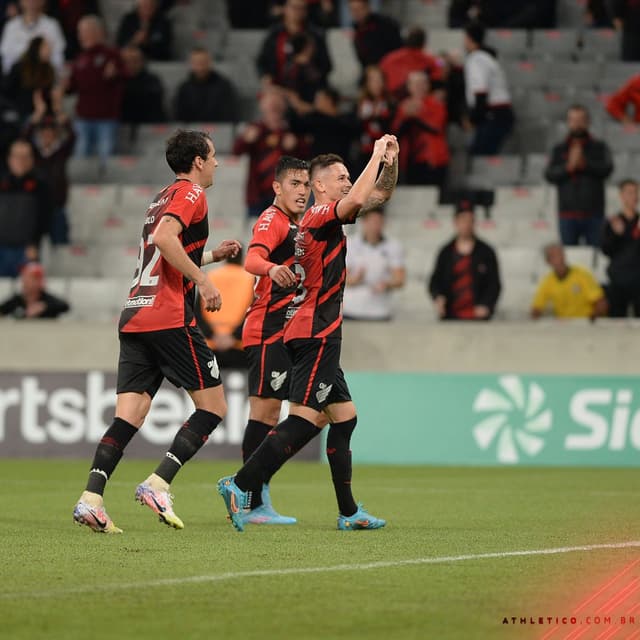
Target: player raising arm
(313, 336)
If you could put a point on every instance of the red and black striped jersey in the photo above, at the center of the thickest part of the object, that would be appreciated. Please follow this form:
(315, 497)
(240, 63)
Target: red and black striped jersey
(321, 249)
(275, 231)
(160, 296)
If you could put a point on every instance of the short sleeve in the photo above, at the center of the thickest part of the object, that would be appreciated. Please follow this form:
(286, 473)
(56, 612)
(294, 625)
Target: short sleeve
(269, 230)
(396, 255)
(188, 204)
(322, 215)
(592, 289)
(477, 75)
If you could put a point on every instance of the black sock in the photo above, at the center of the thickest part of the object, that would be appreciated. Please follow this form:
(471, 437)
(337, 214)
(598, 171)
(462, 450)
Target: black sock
(108, 454)
(193, 434)
(339, 456)
(281, 443)
(254, 434)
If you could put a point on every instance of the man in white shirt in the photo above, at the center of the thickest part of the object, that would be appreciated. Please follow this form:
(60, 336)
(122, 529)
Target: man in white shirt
(375, 267)
(21, 29)
(488, 97)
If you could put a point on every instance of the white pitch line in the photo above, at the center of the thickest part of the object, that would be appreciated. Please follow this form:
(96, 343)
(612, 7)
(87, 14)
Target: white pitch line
(259, 573)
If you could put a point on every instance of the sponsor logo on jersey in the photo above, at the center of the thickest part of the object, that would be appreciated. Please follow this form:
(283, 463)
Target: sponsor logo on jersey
(159, 203)
(323, 391)
(214, 370)
(149, 219)
(140, 301)
(277, 379)
(265, 219)
(194, 194)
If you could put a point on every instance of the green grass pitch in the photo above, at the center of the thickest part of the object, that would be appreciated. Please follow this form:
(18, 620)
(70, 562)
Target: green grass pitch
(420, 577)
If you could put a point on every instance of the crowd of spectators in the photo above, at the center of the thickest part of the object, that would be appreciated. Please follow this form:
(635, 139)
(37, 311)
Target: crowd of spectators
(61, 48)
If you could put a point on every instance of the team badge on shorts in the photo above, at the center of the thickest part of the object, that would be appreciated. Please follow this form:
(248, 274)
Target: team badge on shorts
(277, 379)
(324, 391)
(213, 368)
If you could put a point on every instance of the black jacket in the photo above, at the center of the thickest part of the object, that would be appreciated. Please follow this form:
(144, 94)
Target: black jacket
(143, 99)
(486, 275)
(376, 36)
(17, 307)
(210, 100)
(580, 193)
(276, 51)
(159, 38)
(624, 251)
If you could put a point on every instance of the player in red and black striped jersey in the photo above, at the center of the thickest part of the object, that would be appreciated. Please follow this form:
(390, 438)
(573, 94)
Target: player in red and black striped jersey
(313, 334)
(158, 334)
(270, 257)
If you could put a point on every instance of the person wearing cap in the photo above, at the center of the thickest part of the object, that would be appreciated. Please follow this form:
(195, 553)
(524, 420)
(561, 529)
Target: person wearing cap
(488, 97)
(465, 283)
(375, 269)
(33, 301)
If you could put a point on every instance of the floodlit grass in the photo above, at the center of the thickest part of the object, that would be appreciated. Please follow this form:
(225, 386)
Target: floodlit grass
(310, 581)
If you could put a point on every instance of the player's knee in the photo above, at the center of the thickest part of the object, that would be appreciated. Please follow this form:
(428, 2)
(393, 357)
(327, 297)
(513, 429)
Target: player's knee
(339, 435)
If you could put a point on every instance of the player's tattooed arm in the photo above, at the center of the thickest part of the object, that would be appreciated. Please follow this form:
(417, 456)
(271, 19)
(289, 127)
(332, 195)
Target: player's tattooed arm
(385, 185)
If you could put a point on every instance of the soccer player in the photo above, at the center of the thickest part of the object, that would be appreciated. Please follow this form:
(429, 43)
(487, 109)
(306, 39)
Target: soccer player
(158, 334)
(270, 257)
(313, 335)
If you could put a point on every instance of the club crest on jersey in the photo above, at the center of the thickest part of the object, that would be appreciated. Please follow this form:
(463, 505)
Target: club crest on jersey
(277, 379)
(213, 366)
(323, 391)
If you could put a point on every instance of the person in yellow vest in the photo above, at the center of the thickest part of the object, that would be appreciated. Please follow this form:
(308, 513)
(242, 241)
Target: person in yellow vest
(223, 328)
(568, 291)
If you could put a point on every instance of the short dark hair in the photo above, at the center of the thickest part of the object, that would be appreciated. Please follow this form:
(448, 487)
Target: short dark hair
(184, 146)
(416, 38)
(289, 163)
(475, 31)
(200, 49)
(331, 92)
(626, 182)
(323, 161)
(579, 107)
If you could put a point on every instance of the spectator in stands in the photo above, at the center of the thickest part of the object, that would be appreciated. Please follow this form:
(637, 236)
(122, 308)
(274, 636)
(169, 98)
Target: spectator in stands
(488, 97)
(375, 34)
(276, 49)
(322, 13)
(206, 95)
(579, 167)
(248, 14)
(143, 99)
(33, 301)
(626, 19)
(8, 9)
(265, 141)
(68, 14)
(148, 28)
(329, 130)
(301, 75)
(98, 77)
(621, 242)
(25, 209)
(53, 139)
(420, 124)
(32, 73)
(567, 291)
(598, 14)
(515, 14)
(375, 268)
(465, 284)
(398, 64)
(374, 112)
(454, 89)
(627, 96)
(20, 30)
(223, 329)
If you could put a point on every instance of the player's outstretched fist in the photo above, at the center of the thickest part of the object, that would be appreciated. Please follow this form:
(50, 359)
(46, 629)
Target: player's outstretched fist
(226, 249)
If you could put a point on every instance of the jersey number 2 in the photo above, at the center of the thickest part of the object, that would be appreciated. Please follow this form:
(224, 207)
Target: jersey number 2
(142, 276)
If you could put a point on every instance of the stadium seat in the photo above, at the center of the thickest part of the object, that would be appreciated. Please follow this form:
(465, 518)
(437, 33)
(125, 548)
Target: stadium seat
(346, 68)
(623, 137)
(535, 165)
(412, 202)
(87, 208)
(171, 74)
(7, 288)
(498, 233)
(511, 44)
(74, 260)
(600, 44)
(520, 262)
(82, 170)
(430, 12)
(444, 39)
(573, 74)
(493, 171)
(242, 43)
(97, 298)
(419, 262)
(117, 261)
(242, 72)
(414, 302)
(616, 74)
(148, 169)
(534, 233)
(554, 44)
(570, 13)
(525, 73)
(622, 167)
(520, 203)
(516, 296)
(582, 256)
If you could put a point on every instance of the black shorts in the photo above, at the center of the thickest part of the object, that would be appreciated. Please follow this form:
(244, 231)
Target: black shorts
(269, 370)
(317, 379)
(180, 355)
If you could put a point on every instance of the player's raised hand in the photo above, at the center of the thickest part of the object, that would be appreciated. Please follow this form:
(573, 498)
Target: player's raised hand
(226, 249)
(210, 295)
(380, 146)
(282, 275)
(393, 149)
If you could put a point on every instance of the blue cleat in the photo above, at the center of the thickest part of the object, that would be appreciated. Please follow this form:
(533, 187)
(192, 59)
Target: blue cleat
(265, 513)
(360, 520)
(235, 500)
